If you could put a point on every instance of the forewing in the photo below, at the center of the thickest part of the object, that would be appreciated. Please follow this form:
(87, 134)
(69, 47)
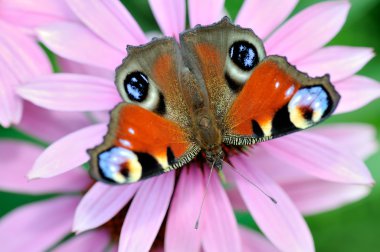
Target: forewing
(161, 63)
(278, 100)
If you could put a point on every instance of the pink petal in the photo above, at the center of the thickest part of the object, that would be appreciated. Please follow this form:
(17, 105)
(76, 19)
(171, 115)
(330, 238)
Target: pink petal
(94, 241)
(76, 42)
(68, 152)
(21, 54)
(71, 92)
(359, 139)
(69, 66)
(276, 168)
(110, 21)
(253, 241)
(205, 12)
(20, 59)
(314, 196)
(356, 92)
(184, 212)
(34, 231)
(264, 16)
(307, 192)
(282, 223)
(170, 15)
(309, 30)
(17, 159)
(55, 124)
(338, 61)
(10, 104)
(218, 224)
(34, 13)
(101, 203)
(146, 213)
(236, 200)
(320, 157)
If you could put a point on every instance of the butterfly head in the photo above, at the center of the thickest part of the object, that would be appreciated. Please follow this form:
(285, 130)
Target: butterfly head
(215, 157)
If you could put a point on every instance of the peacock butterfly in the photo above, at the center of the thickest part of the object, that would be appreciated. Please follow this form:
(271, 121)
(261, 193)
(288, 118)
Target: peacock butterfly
(215, 88)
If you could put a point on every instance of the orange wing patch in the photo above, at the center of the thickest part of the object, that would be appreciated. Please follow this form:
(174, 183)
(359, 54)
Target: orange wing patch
(143, 131)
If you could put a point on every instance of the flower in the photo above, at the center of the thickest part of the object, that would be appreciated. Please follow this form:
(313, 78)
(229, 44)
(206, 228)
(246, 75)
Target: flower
(315, 163)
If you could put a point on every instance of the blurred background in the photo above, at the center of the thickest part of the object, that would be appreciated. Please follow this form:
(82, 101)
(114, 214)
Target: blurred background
(355, 227)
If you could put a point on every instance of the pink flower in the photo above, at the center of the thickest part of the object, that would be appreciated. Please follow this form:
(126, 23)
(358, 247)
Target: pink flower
(306, 172)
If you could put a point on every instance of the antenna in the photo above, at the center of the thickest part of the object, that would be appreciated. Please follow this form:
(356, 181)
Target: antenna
(249, 181)
(204, 196)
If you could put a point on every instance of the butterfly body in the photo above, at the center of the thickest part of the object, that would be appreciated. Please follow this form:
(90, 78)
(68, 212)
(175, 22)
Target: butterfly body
(214, 88)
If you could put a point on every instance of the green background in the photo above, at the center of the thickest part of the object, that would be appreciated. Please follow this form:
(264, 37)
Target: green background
(355, 227)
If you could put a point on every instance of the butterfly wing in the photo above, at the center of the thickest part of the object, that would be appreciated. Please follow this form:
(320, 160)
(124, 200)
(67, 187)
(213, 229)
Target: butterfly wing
(254, 97)
(277, 100)
(140, 144)
(149, 133)
(160, 63)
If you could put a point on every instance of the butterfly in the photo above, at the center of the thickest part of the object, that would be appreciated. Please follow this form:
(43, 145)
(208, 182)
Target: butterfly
(215, 89)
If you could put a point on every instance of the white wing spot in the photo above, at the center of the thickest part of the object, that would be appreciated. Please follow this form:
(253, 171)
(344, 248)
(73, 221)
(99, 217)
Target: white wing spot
(290, 91)
(126, 143)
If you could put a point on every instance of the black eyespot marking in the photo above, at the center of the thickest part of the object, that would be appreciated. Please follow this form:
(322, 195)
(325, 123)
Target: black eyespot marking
(136, 85)
(307, 113)
(244, 55)
(161, 107)
(148, 163)
(257, 130)
(170, 156)
(281, 122)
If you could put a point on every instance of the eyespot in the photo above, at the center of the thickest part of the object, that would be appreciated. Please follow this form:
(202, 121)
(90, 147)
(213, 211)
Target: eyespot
(308, 106)
(136, 86)
(119, 165)
(244, 55)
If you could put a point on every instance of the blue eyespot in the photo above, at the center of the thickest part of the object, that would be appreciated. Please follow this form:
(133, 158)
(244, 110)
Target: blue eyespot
(136, 85)
(244, 55)
(308, 106)
(119, 165)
